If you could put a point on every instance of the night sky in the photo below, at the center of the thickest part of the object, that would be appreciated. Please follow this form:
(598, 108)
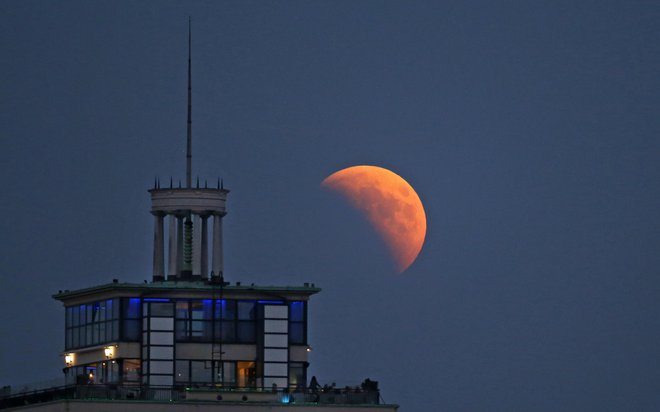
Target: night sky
(529, 129)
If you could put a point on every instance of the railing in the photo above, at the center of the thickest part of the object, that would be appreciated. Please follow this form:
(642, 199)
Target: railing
(173, 394)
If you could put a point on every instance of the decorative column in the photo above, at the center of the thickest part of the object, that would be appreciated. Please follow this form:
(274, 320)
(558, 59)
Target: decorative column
(204, 255)
(217, 246)
(171, 265)
(159, 244)
(196, 251)
(179, 244)
(186, 269)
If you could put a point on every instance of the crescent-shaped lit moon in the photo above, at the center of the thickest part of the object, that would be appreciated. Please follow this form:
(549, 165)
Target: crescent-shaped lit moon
(390, 204)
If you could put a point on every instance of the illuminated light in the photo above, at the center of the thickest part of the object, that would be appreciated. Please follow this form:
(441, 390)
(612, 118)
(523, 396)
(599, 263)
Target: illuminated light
(68, 359)
(271, 302)
(309, 348)
(286, 398)
(156, 300)
(109, 352)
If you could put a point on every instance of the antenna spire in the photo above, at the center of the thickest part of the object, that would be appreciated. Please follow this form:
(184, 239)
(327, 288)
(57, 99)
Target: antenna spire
(189, 141)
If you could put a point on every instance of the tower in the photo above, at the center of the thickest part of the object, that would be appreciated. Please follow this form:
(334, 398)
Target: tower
(188, 211)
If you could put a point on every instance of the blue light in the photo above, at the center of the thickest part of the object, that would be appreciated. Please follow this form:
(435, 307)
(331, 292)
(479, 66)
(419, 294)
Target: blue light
(156, 300)
(285, 398)
(135, 300)
(271, 302)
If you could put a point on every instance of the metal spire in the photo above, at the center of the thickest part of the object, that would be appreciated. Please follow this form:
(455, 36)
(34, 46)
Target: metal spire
(189, 145)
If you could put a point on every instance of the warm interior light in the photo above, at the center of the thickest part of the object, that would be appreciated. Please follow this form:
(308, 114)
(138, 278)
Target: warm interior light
(109, 351)
(68, 359)
(309, 348)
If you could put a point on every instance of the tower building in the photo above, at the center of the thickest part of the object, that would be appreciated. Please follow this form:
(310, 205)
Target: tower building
(188, 338)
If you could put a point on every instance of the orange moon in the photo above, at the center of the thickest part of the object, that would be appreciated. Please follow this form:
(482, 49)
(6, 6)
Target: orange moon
(390, 204)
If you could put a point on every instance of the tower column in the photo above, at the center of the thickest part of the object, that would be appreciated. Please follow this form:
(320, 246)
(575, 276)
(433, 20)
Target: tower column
(171, 265)
(159, 245)
(204, 255)
(217, 246)
(179, 244)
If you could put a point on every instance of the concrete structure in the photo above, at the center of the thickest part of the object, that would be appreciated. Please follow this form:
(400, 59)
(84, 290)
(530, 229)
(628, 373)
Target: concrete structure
(188, 339)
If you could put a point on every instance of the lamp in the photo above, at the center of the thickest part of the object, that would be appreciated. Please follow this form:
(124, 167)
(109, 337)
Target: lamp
(109, 351)
(68, 359)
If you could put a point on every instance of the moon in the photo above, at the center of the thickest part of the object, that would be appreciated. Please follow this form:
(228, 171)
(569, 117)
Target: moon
(390, 205)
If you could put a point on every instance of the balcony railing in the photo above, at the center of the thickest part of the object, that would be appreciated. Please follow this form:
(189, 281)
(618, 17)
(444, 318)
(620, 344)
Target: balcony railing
(183, 394)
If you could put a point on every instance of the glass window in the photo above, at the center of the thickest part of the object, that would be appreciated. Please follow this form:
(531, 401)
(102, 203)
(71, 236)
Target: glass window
(81, 314)
(246, 332)
(225, 331)
(131, 370)
(69, 317)
(200, 371)
(182, 311)
(201, 310)
(182, 371)
(297, 377)
(297, 333)
(131, 330)
(247, 375)
(131, 308)
(181, 330)
(229, 373)
(225, 309)
(246, 310)
(161, 309)
(297, 311)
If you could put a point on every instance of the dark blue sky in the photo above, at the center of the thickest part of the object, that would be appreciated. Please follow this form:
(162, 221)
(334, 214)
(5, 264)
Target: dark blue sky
(528, 128)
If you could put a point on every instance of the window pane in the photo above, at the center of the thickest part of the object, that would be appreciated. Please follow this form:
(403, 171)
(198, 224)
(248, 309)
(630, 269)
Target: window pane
(181, 329)
(225, 331)
(81, 314)
(297, 311)
(162, 309)
(246, 332)
(182, 309)
(246, 310)
(201, 330)
(68, 341)
(69, 317)
(229, 373)
(115, 330)
(297, 332)
(88, 335)
(131, 370)
(225, 309)
(131, 330)
(182, 371)
(247, 375)
(101, 311)
(115, 308)
(201, 310)
(296, 375)
(200, 371)
(75, 334)
(132, 308)
(108, 309)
